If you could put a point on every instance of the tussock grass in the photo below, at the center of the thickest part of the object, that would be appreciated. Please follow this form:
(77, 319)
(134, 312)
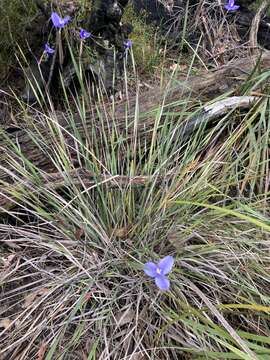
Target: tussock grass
(72, 284)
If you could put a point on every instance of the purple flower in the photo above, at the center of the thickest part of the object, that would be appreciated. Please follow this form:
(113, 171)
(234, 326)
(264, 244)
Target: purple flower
(84, 34)
(59, 22)
(128, 44)
(159, 271)
(231, 6)
(48, 49)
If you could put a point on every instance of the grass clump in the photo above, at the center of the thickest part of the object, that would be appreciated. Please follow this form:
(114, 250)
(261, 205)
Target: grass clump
(125, 187)
(75, 286)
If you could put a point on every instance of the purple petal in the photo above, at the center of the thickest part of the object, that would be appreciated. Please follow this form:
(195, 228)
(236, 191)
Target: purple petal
(56, 19)
(150, 269)
(230, 6)
(166, 264)
(162, 282)
(128, 44)
(66, 20)
(48, 49)
(84, 34)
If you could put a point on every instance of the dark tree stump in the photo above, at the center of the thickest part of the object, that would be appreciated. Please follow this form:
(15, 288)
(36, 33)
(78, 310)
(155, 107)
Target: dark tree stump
(105, 23)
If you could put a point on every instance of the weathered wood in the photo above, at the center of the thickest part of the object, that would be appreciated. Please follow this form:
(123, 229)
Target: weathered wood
(253, 36)
(79, 177)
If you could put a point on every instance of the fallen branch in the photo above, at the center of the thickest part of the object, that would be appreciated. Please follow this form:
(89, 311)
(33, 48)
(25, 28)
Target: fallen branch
(87, 179)
(80, 177)
(216, 110)
(253, 36)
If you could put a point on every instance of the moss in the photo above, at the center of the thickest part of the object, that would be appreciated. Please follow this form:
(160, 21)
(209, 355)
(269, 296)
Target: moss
(15, 16)
(145, 42)
(256, 6)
